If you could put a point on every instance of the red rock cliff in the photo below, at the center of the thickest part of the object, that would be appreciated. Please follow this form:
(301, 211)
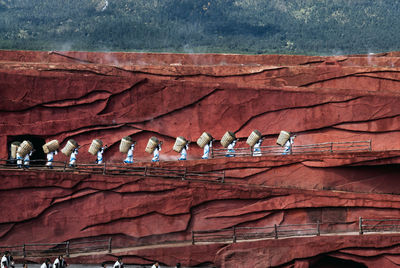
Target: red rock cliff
(82, 95)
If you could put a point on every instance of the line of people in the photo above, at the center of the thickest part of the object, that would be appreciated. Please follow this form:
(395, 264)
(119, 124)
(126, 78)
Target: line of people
(7, 261)
(24, 162)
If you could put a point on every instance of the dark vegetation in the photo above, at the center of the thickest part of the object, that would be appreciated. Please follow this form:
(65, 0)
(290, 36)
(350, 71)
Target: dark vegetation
(322, 27)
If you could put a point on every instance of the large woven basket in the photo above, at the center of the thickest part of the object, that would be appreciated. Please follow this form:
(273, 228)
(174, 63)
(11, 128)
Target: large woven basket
(69, 147)
(25, 148)
(14, 148)
(180, 143)
(254, 137)
(51, 146)
(228, 138)
(95, 146)
(283, 137)
(151, 145)
(125, 144)
(204, 139)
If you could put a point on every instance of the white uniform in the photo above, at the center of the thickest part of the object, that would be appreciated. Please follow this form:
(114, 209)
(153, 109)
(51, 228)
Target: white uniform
(44, 265)
(56, 263)
(257, 149)
(184, 153)
(4, 262)
(27, 159)
(72, 159)
(19, 160)
(288, 145)
(129, 155)
(156, 154)
(231, 151)
(50, 158)
(117, 264)
(99, 159)
(206, 151)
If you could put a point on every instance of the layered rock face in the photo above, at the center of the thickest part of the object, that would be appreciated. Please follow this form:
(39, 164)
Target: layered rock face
(84, 96)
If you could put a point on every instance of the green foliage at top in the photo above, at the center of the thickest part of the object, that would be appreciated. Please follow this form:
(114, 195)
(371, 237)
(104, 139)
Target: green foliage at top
(229, 26)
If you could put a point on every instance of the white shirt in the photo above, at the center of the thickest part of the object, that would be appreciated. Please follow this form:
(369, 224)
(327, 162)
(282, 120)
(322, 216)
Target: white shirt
(56, 262)
(50, 156)
(117, 264)
(44, 265)
(4, 259)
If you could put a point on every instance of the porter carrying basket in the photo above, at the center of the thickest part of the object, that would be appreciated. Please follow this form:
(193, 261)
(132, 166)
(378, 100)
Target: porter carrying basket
(254, 137)
(51, 146)
(25, 148)
(125, 144)
(228, 138)
(283, 138)
(180, 143)
(204, 139)
(151, 145)
(14, 148)
(95, 146)
(69, 147)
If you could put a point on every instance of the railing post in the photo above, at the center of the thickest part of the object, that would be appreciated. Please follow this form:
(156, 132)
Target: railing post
(370, 145)
(192, 237)
(251, 151)
(223, 176)
(67, 249)
(65, 166)
(234, 234)
(145, 171)
(184, 174)
(109, 245)
(360, 226)
(331, 147)
(104, 168)
(275, 231)
(212, 152)
(24, 251)
(318, 229)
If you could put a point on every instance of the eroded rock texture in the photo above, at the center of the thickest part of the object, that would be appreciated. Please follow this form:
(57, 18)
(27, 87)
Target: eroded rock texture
(79, 95)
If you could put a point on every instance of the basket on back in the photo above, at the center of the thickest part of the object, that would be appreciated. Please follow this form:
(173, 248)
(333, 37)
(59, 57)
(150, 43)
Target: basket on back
(254, 137)
(51, 146)
(95, 146)
(14, 148)
(180, 143)
(25, 148)
(151, 145)
(228, 138)
(204, 139)
(125, 144)
(69, 147)
(283, 138)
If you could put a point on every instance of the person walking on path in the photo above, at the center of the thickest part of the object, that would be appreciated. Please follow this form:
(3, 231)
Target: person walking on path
(50, 158)
(184, 152)
(129, 155)
(206, 150)
(156, 153)
(99, 159)
(288, 145)
(72, 158)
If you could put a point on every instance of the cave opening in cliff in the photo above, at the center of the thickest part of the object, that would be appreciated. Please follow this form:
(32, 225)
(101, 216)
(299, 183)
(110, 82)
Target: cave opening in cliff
(325, 261)
(38, 156)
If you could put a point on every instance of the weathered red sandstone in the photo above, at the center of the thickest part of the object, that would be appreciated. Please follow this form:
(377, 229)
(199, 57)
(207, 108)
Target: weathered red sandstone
(84, 95)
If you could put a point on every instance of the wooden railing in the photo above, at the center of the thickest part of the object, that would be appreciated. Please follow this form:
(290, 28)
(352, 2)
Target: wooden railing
(326, 147)
(378, 225)
(249, 233)
(227, 235)
(234, 234)
(124, 170)
(63, 248)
